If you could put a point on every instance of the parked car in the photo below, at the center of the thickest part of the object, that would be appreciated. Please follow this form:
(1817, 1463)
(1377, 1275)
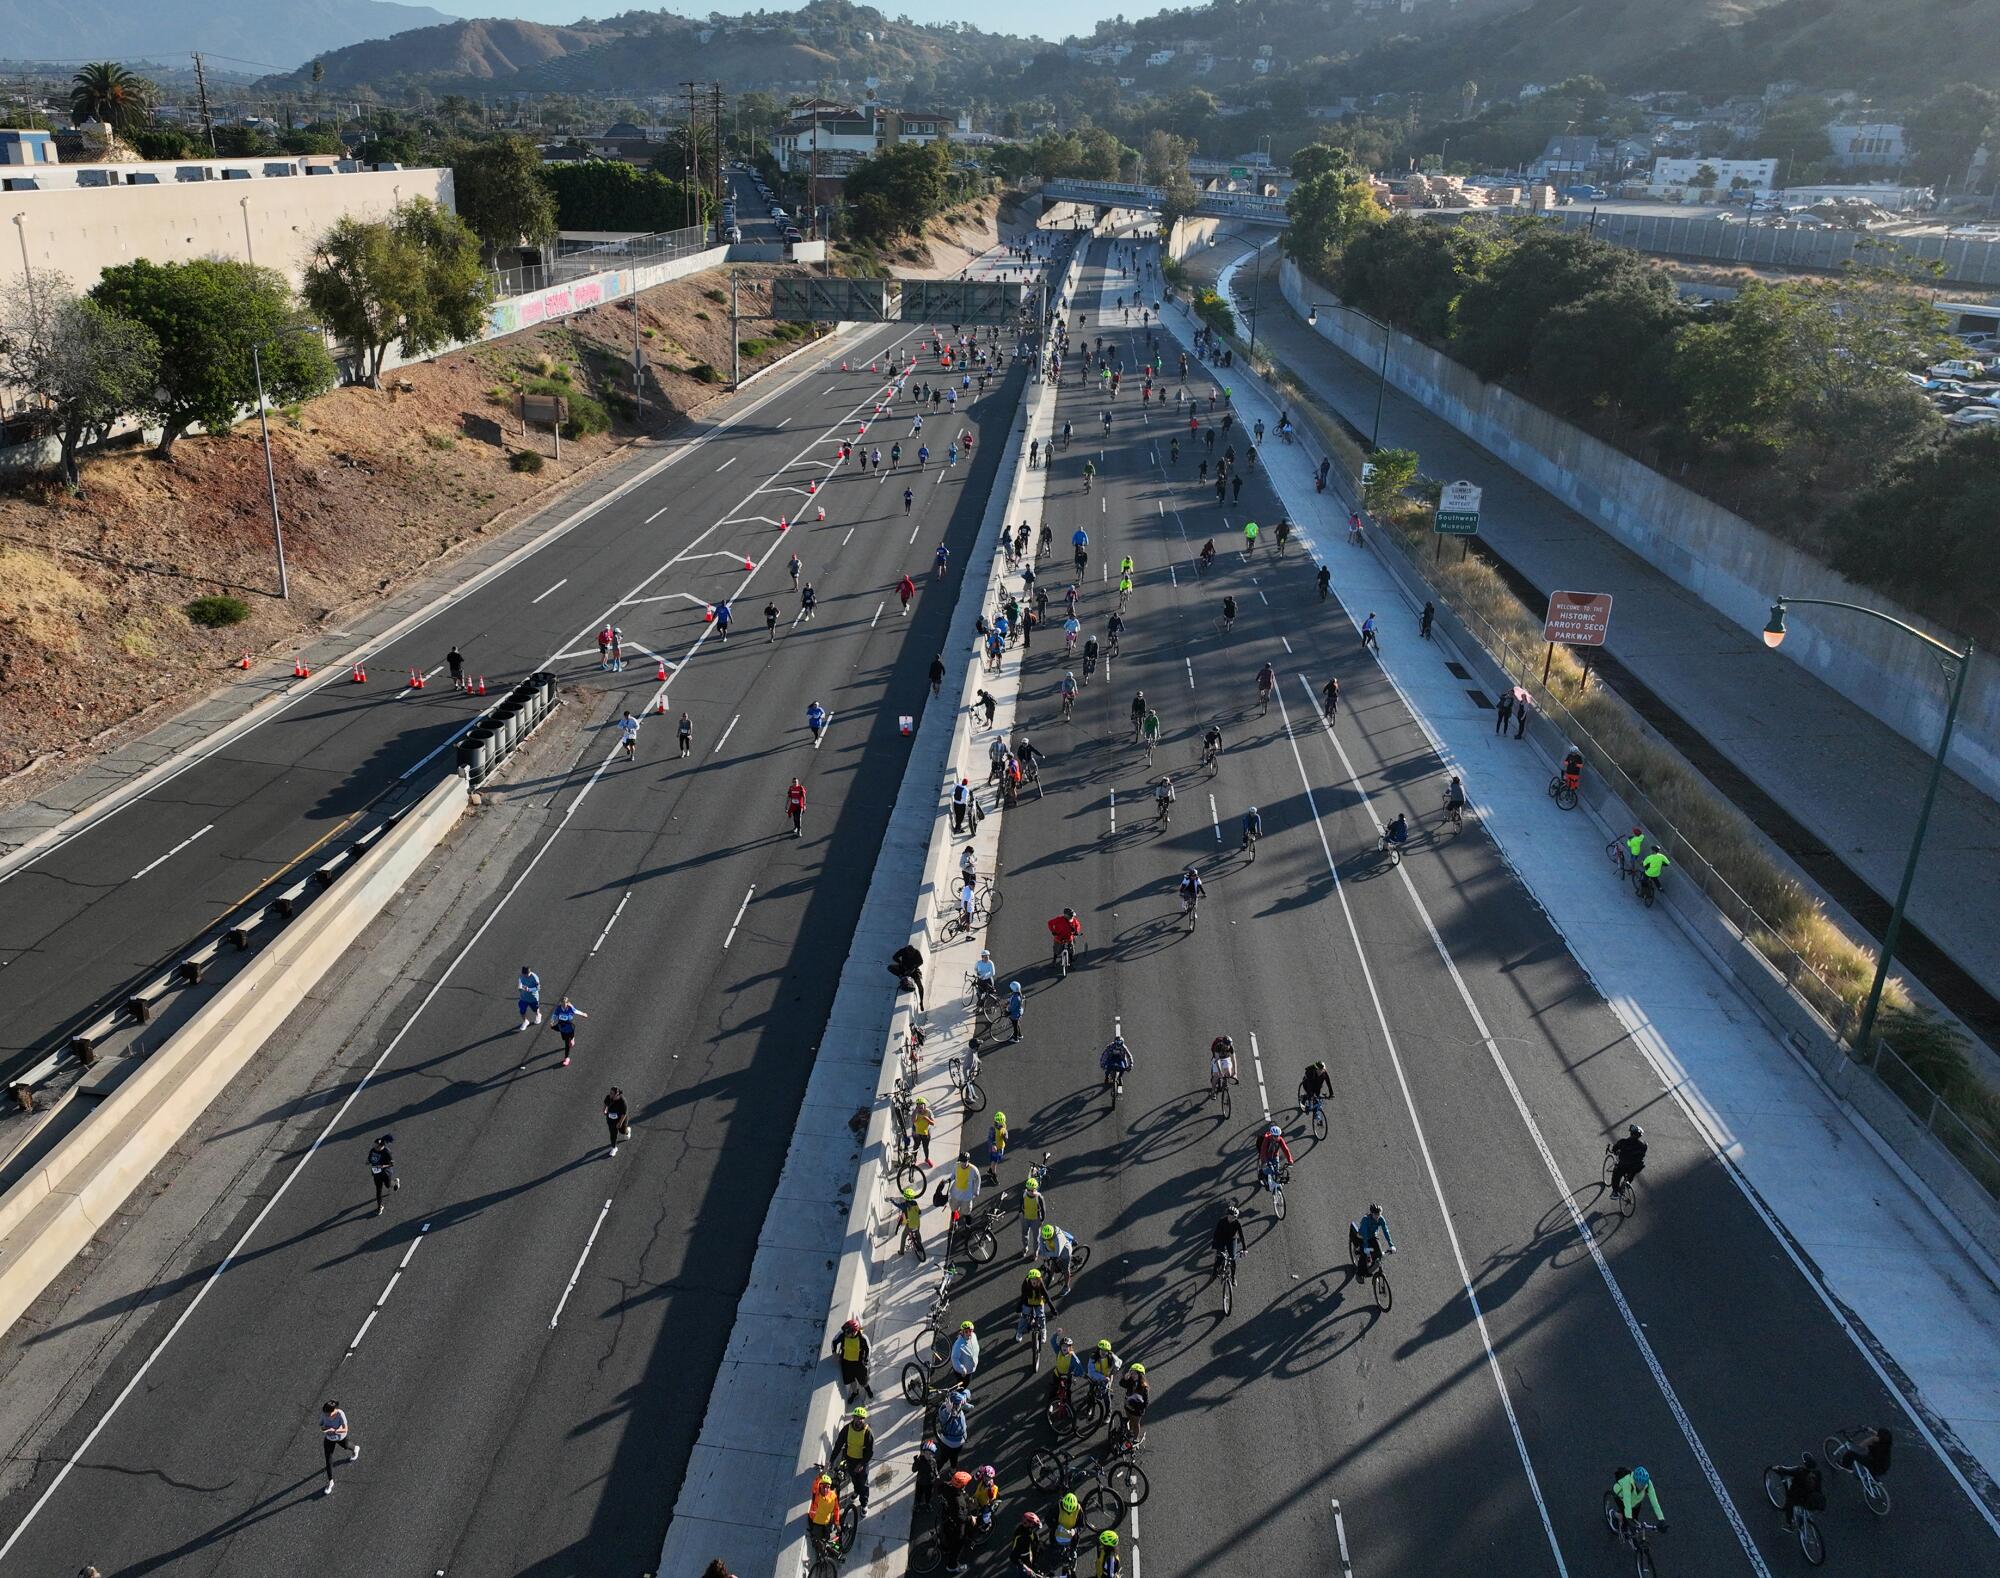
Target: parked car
(1956, 369)
(1974, 416)
(792, 233)
(1585, 193)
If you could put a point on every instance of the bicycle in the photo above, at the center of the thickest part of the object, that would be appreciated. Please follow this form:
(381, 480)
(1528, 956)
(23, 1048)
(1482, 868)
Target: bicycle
(1068, 704)
(1626, 1200)
(1116, 1483)
(1263, 699)
(1315, 1113)
(1563, 792)
(1801, 1522)
(978, 1235)
(1228, 1275)
(1373, 1267)
(1385, 845)
(1211, 759)
(832, 1541)
(1225, 624)
(1273, 1177)
(1636, 1535)
(1648, 888)
(1454, 814)
(1250, 842)
(1112, 649)
(985, 999)
(1065, 955)
(1218, 1088)
(1190, 910)
(1621, 864)
(932, 1344)
(1839, 1452)
(964, 1075)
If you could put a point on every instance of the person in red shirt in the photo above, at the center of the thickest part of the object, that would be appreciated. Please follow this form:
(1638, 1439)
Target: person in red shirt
(906, 589)
(795, 805)
(1066, 929)
(1271, 1151)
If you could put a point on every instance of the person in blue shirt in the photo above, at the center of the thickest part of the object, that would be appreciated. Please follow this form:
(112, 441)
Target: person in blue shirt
(1115, 1060)
(1016, 1006)
(1079, 538)
(1253, 828)
(562, 1019)
(1361, 1238)
(528, 997)
(816, 719)
(923, 456)
(722, 617)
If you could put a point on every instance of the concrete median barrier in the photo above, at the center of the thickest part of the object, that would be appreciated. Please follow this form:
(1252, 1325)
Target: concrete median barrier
(49, 1215)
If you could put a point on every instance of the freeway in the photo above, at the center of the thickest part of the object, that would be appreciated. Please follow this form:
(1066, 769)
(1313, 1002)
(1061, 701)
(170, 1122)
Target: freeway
(524, 1341)
(118, 899)
(1536, 1340)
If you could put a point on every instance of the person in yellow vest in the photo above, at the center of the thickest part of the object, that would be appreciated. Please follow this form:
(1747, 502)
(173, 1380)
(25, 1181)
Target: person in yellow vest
(823, 1510)
(913, 1225)
(1068, 1511)
(857, 1451)
(851, 1348)
(996, 1145)
(1635, 849)
(1034, 1212)
(985, 1496)
(1108, 1564)
(920, 1127)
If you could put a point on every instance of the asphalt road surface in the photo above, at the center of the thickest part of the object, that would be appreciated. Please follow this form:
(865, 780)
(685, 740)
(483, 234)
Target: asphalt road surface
(526, 1340)
(1536, 1341)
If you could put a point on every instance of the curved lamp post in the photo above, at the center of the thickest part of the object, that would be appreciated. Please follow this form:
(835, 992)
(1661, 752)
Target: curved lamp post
(1954, 665)
(1381, 372)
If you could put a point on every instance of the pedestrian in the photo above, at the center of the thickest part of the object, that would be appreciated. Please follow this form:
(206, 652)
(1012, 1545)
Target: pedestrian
(686, 734)
(717, 1569)
(771, 620)
(617, 650)
(905, 590)
(528, 997)
(1424, 620)
(1503, 713)
(382, 1168)
(906, 964)
(808, 601)
(1236, 487)
(937, 674)
(961, 803)
(604, 648)
(996, 755)
(616, 1121)
(1522, 706)
(965, 1353)
(1368, 638)
(723, 615)
(563, 1022)
(1015, 1008)
(954, 1424)
(333, 1434)
(986, 700)
(455, 661)
(922, 1122)
(856, 1443)
(851, 1347)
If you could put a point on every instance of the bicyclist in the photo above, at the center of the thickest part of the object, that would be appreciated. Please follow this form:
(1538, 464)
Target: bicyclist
(1221, 1063)
(1635, 849)
(984, 981)
(1138, 1393)
(1267, 679)
(1068, 688)
(1253, 828)
(1115, 1060)
(1068, 1511)
(823, 1508)
(1055, 1251)
(1191, 889)
(1138, 710)
(1208, 553)
(1101, 1365)
(1072, 628)
(1125, 567)
(1396, 833)
(1067, 932)
(1227, 1236)
(1163, 791)
(1454, 795)
(1315, 1085)
(1628, 1156)
(1273, 1151)
(1089, 475)
(1211, 744)
(1634, 1489)
(1025, 1550)
(1361, 1238)
(1037, 1303)
(1065, 435)
(1325, 581)
(1149, 734)
(1066, 1368)
(1228, 612)
(1114, 627)
(1654, 867)
(856, 1444)
(1871, 1446)
(1572, 770)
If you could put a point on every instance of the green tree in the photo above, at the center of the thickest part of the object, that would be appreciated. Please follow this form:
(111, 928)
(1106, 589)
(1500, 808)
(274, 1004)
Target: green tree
(1923, 529)
(1166, 158)
(1543, 267)
(106, 92)
(500, 192)
(1320, 158)
(311, 139)
(415, 281)
(897, 190)
(163, 142)
(205, 314)
(1948, 129)
(1794, 133)
(1612, 348)
(1391, 471)
(85, 364)
(605, 194)
(1327, 212)
(1103, 155)
(1411, 273)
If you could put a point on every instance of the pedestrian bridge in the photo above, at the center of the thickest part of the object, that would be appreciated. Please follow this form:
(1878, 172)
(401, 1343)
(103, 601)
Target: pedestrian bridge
(1130, 194)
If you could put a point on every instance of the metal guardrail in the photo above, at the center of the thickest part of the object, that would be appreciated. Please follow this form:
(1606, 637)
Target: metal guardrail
(575, 260)
(1239, 205)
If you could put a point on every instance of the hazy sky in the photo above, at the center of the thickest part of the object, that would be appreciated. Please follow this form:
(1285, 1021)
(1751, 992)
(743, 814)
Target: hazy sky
(1047, 18)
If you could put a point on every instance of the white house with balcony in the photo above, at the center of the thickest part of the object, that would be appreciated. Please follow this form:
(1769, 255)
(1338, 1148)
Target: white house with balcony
(1679, 177)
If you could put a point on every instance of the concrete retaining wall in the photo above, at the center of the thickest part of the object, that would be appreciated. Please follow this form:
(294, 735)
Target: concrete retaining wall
(1190, 235)
(1735, 567)
(49, 1216)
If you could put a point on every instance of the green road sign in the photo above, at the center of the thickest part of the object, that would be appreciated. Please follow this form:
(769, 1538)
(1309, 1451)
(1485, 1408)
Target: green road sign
(1458, 523)
(1238, 172)
(815, 298)
(1458, 510)
(964, 301)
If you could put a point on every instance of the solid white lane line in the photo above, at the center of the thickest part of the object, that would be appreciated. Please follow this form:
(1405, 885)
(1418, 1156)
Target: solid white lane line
(787, 419)
(556, 588)
(726, 941)
(728, 463)
(169, 855)
(725, 735)
(596, 1227)
(1215, 817)
(1257, 1062)
(1190, 669)
(1288, 646)
(627, 899)
(878, 614)
(1424, 1149)
(1582, 1227)
(1112, 800)
(1340, 1536)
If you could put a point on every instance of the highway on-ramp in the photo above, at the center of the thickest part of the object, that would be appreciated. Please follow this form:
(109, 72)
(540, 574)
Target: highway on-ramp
(526, 1339)
(1536, 1340)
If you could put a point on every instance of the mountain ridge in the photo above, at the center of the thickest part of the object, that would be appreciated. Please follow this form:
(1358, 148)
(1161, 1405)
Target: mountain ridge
(278, 32)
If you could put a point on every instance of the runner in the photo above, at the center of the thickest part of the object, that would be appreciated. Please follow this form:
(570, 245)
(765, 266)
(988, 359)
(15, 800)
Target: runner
(333, 1434)
(615, 1118)
(563, 1021)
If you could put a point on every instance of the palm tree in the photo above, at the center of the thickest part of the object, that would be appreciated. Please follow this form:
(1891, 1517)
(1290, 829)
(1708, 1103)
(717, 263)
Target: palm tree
(107, 93)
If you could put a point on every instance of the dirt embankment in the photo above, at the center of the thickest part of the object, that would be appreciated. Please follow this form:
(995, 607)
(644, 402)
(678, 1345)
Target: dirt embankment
(947, 245)
(374, 487)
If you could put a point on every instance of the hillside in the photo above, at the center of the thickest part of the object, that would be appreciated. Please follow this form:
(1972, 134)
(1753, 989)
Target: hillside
(647, 52)
(1704, 46)
(279, 31)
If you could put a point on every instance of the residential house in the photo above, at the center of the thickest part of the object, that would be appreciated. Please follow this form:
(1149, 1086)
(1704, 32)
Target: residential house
(845, 135)
(1867, 145)
(1159, 57)
(1679, 177)
(1569, 158)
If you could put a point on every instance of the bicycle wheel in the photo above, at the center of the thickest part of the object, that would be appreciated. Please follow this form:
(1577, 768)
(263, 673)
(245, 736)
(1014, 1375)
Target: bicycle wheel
(1384, 1294)
(1061, 1417)
(1774, 1486)
(916, 1382)
(933, 1346)
(1648, 891)
(1566, 798)
(850, 1525)
(1038, 1340)
(926, 1550)
(1628, 1199)
(823, 1565)
(1090, 1413)
(1874, 1493)
(988, 901)
(1079, 1257)
(1224, 1089)
(1614, 1520)
(1048, 1469)
(1102, 1509)
(1643, 1562)
(1278, 1200)
(1811, 1541)
(981, 1245)
(1319, 1123)
(909, 1175)
(973, 1097)
(1128, 1481)
(1228, 1289)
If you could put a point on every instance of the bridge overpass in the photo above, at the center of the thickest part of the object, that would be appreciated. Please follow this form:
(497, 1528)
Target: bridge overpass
(1130, 194)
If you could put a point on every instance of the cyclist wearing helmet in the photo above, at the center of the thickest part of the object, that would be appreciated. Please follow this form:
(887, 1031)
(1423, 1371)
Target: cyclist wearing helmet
(1221, 1063)
(1361, 1240)
(985, 1496)
(1056, 1251)
(1635, 848)
(1034, 1211)
(1253, 828)
(1629, 1156)
(1227, 1236)
(1101, 1366)
(1632, 1490)
(856, 1445)
(1138, 1393)
(1115, 1060)
(1316, 1084)
(1026, 1549)
(1068, 1511)
(1272, 1152)
(1066, 1367)
(1036, 1303)
(1108, 1564)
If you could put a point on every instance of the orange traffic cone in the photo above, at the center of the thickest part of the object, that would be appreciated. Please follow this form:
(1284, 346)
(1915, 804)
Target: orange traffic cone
(246, 661)
(747, 568)
(660, 706)
(843, 366)
(481, 689)
(708, 615)
(822, 512)
(299, 669)
(812, 486)
(784, 524)
(661, 677)
(359, 676)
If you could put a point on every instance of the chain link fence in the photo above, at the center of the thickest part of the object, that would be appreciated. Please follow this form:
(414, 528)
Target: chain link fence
(577, 259)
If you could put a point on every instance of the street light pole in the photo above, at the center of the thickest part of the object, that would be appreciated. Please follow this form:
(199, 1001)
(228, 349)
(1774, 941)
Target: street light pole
(1954, 665)
(1381, 372)
(270, 474)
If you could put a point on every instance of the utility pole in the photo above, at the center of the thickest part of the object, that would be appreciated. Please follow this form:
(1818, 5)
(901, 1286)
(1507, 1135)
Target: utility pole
(715, 120)
(735, 364)
(693, 158)
(207, 120)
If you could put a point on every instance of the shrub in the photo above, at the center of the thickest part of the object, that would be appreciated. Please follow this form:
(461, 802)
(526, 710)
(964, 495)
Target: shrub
(715, 296)
(440, 441)
(526, 460)
(755, 347)
(586, 416)
(215, 612)
(702, 373)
